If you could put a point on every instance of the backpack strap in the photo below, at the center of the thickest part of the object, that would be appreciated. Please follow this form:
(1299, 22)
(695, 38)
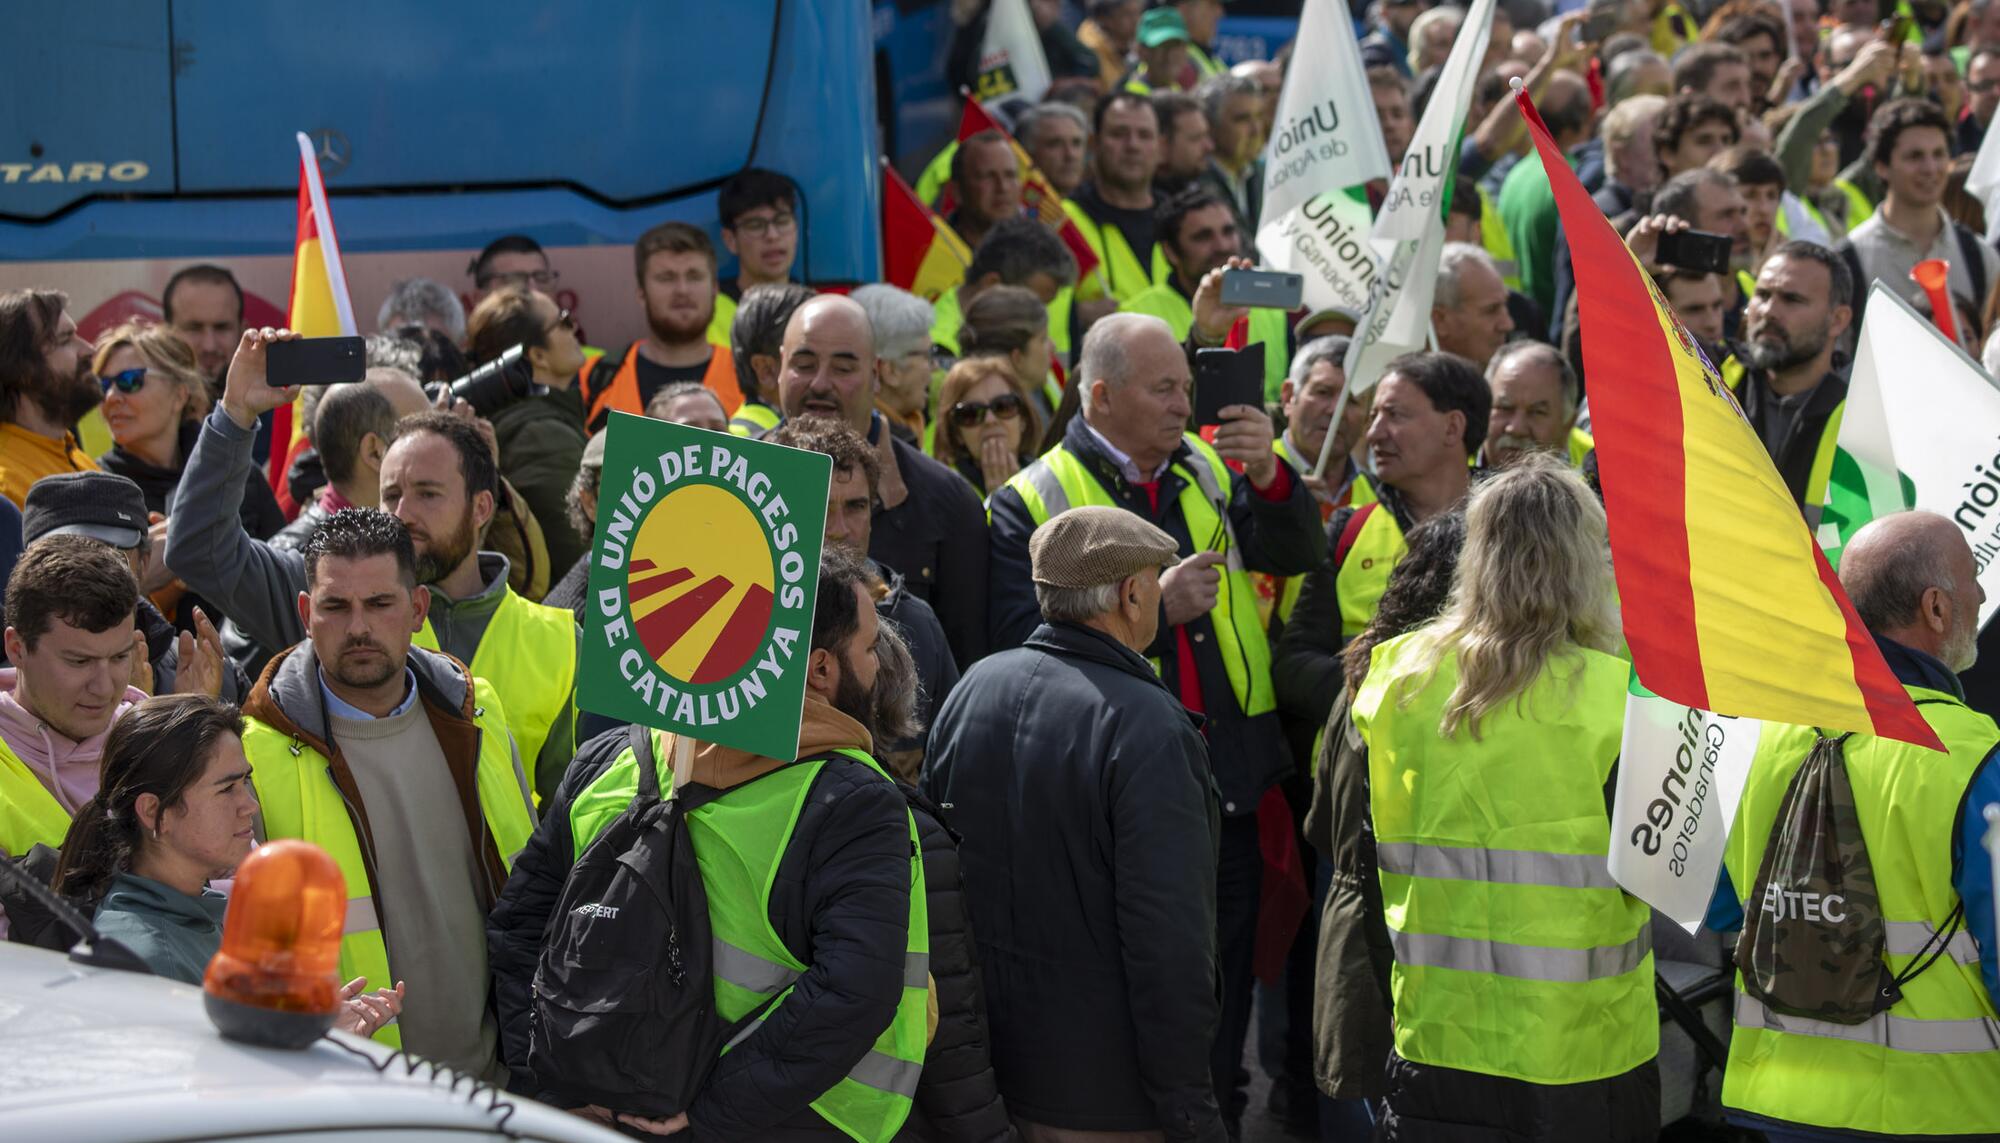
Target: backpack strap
(641, 739)
(1975, 264)
(1351, 531)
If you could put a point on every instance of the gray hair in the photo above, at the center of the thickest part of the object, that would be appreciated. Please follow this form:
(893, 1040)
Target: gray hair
(1104, 356)
(1076, 604)
(1424, 20)
(1888, 588)
(1451, 264)
(1621, 73)
(387, 351)
(1331, 348)
(1679, 196)
(902, 320)
(585, 481)
(419, 301)
(1216, 89)
(1032, 119)
(1548, 355)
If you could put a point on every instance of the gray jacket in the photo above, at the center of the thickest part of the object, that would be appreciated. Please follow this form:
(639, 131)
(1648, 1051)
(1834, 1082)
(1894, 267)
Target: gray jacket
(257, 585)
(175, 934)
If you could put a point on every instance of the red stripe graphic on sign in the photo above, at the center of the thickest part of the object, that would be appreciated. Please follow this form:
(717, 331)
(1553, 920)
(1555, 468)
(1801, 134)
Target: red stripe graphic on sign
(739, 637)
(660, 630)
(645, 588)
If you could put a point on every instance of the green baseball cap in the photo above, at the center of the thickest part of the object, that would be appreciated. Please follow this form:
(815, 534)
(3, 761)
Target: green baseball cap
(1162, 26)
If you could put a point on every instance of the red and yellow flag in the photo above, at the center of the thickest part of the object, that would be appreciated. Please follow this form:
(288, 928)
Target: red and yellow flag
(319, 307)
(920, 251)
(1729, 605)
(1037, 193)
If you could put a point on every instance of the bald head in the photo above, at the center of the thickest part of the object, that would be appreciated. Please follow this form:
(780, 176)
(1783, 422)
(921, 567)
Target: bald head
(828, 365)
(1565, 107)
(1913, 580)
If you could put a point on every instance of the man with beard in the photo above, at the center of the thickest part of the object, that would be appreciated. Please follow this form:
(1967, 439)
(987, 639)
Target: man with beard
(1802, 306)
(439, 478)
(928, 524)
(1198, 235)
(45, 388)
(826, 944)
(1535, 396)
(396, 761)
(675, 264)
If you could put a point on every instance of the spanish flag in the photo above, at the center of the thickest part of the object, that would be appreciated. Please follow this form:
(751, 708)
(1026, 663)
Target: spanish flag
(1728, 604)
(1037, 193)
(920, 251)
(320, 306)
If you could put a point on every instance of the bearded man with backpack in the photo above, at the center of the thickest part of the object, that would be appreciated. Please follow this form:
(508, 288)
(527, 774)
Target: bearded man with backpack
(1866, 997)
(814, 926)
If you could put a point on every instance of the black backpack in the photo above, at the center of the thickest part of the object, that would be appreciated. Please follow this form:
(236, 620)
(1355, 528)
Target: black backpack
(623, 1013)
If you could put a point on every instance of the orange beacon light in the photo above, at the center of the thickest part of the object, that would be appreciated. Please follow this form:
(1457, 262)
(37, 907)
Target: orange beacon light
(276, 980)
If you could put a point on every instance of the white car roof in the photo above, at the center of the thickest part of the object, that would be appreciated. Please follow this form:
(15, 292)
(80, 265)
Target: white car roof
(90, 1054)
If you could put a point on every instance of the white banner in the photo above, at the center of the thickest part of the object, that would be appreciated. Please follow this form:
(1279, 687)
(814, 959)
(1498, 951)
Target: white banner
(1409, 234)
(1983, 181)
(1921, 430)
(1680, 774)
(1325, 145)
(1010, 56)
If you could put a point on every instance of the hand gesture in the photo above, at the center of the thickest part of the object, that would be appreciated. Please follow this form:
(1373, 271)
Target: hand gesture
(364, 1013)
(997, 462)
(1566, 48)
(1245, 437)
(142, 663)
(1212, 319)
(1644, 239)
(153, 572)
(1872, 65)
(201, 659)
(1188, 590)
(245, 395)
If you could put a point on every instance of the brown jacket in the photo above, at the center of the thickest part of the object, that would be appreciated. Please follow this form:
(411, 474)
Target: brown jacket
(287, 698)
(1352, 1013)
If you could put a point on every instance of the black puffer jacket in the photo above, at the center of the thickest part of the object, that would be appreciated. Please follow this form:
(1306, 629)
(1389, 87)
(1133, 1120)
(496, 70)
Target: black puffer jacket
(839, 902)
(958, 1098)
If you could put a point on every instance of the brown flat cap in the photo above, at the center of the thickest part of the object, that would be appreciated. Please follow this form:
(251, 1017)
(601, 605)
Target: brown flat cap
(1094, 545)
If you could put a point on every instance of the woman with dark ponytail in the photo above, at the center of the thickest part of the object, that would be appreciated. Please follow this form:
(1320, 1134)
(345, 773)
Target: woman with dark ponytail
(174, 810)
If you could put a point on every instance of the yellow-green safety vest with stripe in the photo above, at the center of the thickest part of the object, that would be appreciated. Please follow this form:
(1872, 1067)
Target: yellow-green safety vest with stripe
(948, 318)
(1493, 237)
(28, 812)
(1930, 1064)
(1119, 273)
(1059, 481)
(528, 654)
(1580, 443)
(1516, 954)
(297, 796)
(1204, 64)
(1820, 474)
(1859, 208)
(754, 419)
(739, 840)
(1268, 327)
(1359, 493)
(1364, 572)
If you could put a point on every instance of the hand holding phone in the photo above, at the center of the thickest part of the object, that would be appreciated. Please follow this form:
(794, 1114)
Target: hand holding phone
(245, 395)
(1696, 250)
(1266, 289)
(315, 361)
(1225, 377)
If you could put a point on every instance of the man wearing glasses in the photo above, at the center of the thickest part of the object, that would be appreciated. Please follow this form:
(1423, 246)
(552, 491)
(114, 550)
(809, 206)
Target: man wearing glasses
(511, 260)
(1982, 98)
(760, 225)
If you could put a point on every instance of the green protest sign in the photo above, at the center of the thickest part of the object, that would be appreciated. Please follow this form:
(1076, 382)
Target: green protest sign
(703, 577)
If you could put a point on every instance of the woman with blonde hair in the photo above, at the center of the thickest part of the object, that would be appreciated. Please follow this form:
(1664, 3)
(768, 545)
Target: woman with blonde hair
(1523, 975)
(154, 402)
(987, 428)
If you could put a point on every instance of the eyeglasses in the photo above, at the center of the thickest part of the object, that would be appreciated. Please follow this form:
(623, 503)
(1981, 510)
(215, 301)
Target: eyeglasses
(130, 381)
(760, 226)
(521, 279)
(1984, 87)
(966, 414)
(563, 321)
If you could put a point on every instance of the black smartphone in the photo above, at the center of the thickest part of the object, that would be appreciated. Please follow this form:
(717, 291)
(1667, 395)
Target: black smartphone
(1696, 250)
(1598, 25)
(1225, 377)
(1268, 289)
(314, 361)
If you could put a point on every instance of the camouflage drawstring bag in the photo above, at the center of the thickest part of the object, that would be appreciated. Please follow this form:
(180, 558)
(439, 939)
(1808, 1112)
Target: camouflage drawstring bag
(1812, 929)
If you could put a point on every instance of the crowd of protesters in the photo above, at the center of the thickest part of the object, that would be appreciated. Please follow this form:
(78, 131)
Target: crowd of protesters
(1119, 740)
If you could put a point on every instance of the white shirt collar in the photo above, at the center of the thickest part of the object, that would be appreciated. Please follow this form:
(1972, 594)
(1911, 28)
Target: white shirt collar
(1118, 457)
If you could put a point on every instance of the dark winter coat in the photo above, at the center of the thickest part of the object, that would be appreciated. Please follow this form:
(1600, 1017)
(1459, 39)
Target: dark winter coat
(937, 539)
(541, 447)
(1081, 788)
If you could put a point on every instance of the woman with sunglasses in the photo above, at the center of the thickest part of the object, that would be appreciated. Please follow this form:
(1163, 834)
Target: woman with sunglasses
(1010, 323)
(173, 812)
(154, 402)
(987, 429)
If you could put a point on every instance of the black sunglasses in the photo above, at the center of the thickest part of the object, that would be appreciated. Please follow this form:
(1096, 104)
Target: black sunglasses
(129, 381)
(966, 414)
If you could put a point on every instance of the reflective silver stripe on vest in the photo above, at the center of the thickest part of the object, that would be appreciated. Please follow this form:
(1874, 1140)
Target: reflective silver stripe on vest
(1204, 479)
(1907, 938)
(361, 916)
(747, 970)
(1496, 866)
(1896, 1033)
(884, 1072)
(917, 970)
(1042, 479)
(1522, 962)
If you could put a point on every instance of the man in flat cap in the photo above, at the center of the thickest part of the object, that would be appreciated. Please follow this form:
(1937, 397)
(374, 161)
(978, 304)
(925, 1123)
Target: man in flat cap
(1081, 786)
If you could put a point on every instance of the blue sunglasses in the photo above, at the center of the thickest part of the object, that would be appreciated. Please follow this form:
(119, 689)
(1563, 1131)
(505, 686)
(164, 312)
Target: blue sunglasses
(130, 381)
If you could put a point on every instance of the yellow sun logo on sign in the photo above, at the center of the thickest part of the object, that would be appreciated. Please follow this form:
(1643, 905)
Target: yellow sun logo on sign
(700, 584)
